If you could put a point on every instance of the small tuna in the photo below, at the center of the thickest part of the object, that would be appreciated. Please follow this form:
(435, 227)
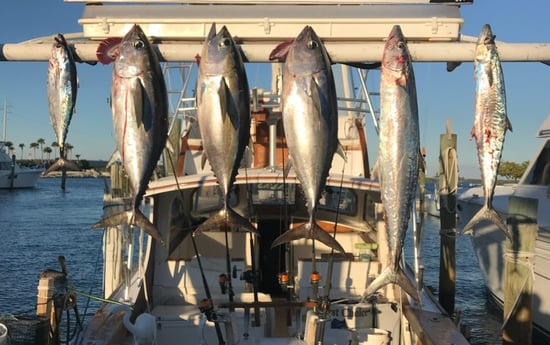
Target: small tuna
(398, 155)
(490, 124)
(62, 88)
(310, 120)
(139, 106)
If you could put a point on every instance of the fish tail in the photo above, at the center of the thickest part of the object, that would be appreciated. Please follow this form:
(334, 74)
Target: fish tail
(308, 231)
(62, 163)
(136, 218)
(227, 218)
(490, 214)
(389, 276)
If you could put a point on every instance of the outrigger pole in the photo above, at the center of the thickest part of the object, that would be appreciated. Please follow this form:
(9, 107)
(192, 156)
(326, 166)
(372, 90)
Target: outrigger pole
(339, 52)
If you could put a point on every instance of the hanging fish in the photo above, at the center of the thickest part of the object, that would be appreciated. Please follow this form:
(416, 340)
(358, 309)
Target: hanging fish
(62, 88)
(140, 118)
(490, 124)
(310, 120)
(223, 113)
(398, 155)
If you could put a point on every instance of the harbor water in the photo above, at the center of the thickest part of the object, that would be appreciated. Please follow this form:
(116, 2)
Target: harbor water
(40, 224)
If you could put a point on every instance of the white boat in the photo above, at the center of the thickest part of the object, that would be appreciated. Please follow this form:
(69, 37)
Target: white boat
(13, 175)
(231, 287)
(489, 242)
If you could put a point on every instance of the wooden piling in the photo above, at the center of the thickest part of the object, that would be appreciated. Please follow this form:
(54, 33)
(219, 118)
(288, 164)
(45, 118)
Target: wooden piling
(518, 279)
(448, 183)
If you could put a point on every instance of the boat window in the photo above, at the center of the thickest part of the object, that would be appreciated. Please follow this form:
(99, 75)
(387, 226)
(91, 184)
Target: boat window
(331, 196)
(273, 194)
(210, 199)
(541, 169)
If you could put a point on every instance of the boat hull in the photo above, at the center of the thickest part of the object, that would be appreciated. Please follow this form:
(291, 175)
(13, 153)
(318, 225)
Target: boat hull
(26, 178)
(489, 246)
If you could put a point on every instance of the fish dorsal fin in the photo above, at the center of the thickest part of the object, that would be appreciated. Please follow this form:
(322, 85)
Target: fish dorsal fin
(107, 51)
(281, 51)
(288, 166)
(203, 159)
(340, 150)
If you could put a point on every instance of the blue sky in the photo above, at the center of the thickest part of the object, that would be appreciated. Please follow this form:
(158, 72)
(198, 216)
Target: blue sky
(441, 95)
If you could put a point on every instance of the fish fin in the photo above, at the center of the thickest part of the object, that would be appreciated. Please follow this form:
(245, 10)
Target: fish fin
(140, 97)
(226, 219)
(490, 214)
(114, 159)
(287, 167)
(308, 231)
(388, 276)
(203, 159)
(212, 32)
(145, 224)
(508, 124)
(315, 94)
(281, 51)
(374, 172)
(107, 51)
(130, 218)
(340, 150)
(62, 163)
(251, 145)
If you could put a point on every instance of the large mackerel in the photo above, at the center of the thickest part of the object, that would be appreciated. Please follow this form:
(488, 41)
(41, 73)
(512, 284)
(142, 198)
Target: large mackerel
(62, 89)
(223, 113)
(490, 124)
(310, 120)
(398, 155)
(140, 118)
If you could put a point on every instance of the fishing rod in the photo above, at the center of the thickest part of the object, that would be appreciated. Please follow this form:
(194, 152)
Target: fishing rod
(207, 305)
(324, 303)
(252, 256)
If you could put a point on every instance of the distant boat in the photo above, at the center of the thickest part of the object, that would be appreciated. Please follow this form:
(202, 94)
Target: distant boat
(489, 241)
(13, 175)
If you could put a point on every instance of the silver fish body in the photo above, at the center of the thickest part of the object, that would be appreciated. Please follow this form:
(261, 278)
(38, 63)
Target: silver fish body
(223, 113)
(490, 124)
(140, 122)
(398, 155)
(62, 90)
(310, 120)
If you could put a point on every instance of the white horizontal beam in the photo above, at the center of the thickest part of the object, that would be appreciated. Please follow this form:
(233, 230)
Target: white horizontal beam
(344, 52)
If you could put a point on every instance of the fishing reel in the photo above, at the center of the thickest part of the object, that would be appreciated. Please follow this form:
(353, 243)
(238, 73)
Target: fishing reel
(207, 308)
(284, 281)
(222, 280)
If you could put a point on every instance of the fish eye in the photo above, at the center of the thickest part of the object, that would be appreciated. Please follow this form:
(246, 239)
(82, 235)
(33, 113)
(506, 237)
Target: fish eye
(226, 42)
(400, 44)
(138, 44)
(312, 44)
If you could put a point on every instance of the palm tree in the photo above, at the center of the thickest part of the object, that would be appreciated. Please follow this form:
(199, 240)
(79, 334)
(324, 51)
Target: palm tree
(41, 142)
(34, 146)
(68, 148)
(47, 150)
(55, 144)
(21, 146)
